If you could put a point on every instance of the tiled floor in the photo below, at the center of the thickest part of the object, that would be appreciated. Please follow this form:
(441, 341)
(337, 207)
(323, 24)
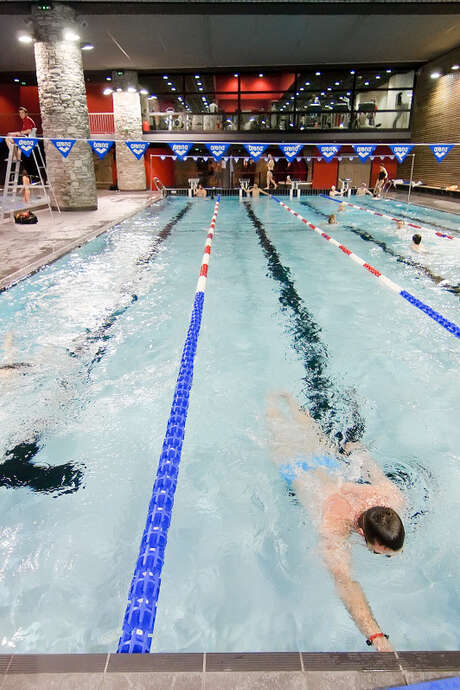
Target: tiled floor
(24, 248)
(441, 203)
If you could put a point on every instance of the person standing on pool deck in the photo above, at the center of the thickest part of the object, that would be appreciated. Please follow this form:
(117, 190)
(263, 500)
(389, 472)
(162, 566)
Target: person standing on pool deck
(270, 169)
(382, 178)
(338, 508)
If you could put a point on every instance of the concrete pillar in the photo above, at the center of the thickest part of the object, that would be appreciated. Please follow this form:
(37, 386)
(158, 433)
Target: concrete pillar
(127, 118)
(64, 111)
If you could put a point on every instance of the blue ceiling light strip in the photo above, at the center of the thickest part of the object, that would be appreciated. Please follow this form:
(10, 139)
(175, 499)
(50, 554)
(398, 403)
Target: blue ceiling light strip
(139, 619)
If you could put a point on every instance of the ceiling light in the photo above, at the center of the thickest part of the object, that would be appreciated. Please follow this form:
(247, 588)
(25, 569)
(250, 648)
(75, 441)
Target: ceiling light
(169, 83)
(236, 74)
(329, 88)
(200, 89)
(435, 75)
(16, 79)
(388, 71)
(366, 83)
(337, 83)
(70, 35)
(302, 88)
(107, 92)
(348, 93)
(378, 76)
(307, 83)
(131, 89)
(87, 46)
(197, 76)
(25, 38)
(144, 92)
(173, 88)
(455, 67)
(200, 83)
(352, 71)
(323, 93)
(165, 76)
(318, 74)
(108, 78)
(119, 89)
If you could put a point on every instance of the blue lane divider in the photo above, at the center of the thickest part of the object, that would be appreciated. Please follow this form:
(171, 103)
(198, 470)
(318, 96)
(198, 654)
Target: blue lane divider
(141, 610)
(436, 316)
(325, 196)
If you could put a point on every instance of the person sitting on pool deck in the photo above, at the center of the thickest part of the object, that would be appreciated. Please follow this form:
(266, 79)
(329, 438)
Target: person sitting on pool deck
(255, 190)
(201, 192)
(338, 508)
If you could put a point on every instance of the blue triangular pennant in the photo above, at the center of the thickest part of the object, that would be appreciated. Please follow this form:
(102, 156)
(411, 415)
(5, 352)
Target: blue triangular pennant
(64, 146)
(401, 151)
(328, 151)
(181, 150)
(290, 150)
(255, 150)
(217, 150)
(440, 151)
(26, 144)
(137, 148)
(364, 150)
(101, 146)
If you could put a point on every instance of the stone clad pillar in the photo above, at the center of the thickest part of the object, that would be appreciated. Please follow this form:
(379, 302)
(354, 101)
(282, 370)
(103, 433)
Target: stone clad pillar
(127, 118)
(64, 111)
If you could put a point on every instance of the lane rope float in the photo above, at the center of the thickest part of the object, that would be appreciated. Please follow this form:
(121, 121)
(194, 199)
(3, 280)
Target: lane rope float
(436, 316)
(385, 215)
(139, 619)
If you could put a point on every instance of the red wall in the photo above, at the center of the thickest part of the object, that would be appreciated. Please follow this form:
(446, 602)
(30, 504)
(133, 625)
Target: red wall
(325, 174)
(164, 169)
(97, 102)
(9, 102)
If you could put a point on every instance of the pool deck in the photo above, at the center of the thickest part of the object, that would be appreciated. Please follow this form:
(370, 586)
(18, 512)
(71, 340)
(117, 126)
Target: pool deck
(437, 202)
(26, 248)
(255, 671)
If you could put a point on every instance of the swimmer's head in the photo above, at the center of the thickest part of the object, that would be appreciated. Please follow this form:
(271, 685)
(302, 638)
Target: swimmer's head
(382, 529)
(416, 239)
(400, 223)
(255, 185)
(332, 220)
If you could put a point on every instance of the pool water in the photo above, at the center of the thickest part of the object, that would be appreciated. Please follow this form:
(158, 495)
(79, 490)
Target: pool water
(103, 329)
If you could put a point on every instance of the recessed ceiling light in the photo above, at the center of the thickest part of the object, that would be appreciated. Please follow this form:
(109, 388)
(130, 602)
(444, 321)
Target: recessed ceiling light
(169, 83)
(302, 88)
(25, 38)
(200, 88)
(108, 78)
(307, 83)
(131, 89)
(16, 79)
(119, 89)
(165, 76)
(337, 83)
(378, 76)
(435, 75)
(173, 88)
(144, 92)
(388, 71)
(366, 83)
(261, 75)
(107, 92)
(329, 88)
(455, 67)
(236, 74)
(87, 46)
(197, 76)
(352, 71)
(318, 74)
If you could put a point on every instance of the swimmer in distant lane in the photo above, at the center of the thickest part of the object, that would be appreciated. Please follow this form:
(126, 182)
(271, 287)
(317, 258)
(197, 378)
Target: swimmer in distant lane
(416, 244)
(255, 190)
(201, 192)
(338, 507)
(342, 207)
(332, 220)
(400, 224)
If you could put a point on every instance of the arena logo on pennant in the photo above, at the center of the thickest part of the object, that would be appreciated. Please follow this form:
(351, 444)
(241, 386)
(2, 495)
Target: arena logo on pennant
(101, 146)
(181, 150)
(291, 150)
(364, 150)
(26, 144)
(137, 148)
(401, 151)
(328, 151)
(64, 146)
(255, 150)
(217, 150)
(440, 151)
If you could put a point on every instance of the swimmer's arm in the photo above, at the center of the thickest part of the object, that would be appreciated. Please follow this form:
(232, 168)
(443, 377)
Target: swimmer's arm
(336, 554)
(376, 475)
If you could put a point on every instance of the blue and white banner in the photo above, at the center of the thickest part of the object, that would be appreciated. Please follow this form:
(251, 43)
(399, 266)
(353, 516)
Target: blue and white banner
(217, 150)
(291, 150)
(440, 151)
(181, 150)
(364, 151)
(64, 146)
(101, 146)
(255, 150)
(26, 144)
(328, 151)
(137, 148)
(401, 151)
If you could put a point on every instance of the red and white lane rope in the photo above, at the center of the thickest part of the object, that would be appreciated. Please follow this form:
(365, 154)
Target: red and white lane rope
(436, 316)
(201, 285)
(384, 215)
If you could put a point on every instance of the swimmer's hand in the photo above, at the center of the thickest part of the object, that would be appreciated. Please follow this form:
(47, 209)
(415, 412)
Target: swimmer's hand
(381, 644)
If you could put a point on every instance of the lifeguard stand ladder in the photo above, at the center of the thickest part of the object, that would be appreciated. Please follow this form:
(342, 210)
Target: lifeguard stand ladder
(11, 201)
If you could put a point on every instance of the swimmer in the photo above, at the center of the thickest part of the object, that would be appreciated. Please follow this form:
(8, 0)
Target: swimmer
(363, 190)
(334, 192)
(332, 220)
(338, 508)
(342, 207)
(255, 190)
(416, 244)
(201, 192)
(400, 224)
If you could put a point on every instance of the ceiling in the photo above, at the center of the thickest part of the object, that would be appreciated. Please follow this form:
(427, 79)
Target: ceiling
(193, 40)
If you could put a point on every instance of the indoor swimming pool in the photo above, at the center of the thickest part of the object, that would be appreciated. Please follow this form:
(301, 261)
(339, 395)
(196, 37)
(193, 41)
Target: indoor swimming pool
(100, 334)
